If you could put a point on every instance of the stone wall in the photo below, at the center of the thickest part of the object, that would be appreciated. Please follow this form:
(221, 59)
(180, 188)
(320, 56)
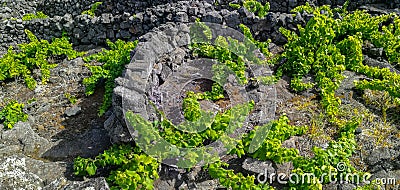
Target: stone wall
(122, 19)
(16, 8)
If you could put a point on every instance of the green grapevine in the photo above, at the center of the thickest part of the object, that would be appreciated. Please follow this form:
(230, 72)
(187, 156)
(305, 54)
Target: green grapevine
(34, 55)
(135, 170)
(31, 16)
(12, 113)
(113, 61)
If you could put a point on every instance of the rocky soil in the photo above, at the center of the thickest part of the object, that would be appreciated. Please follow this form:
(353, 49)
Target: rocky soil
(39, 154)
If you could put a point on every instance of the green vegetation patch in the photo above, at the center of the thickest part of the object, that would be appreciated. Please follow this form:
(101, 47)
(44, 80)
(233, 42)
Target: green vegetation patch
(234, 5)
(232, 53)
(12, 113)
(135, 170)
(191, 105)
(71, 98)
(229, 179)
(257, 7)
(34, 55)
(31, 16)
(114, 61)
(253, 6)
(92, 10)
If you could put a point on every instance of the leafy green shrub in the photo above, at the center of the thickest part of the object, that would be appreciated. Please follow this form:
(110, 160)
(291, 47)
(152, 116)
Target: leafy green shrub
(277, 131)
(191, 106)
(12, 113)
(232, 53)
(256, 7)
(374, 185)
(113, 61)
(224, 56)
(229, 179)
(216, 128)
(234, 5)
(31, 16)
(34, 55)
(71, 98)
(135, 170)
(270, 149)
(327, 161)
(92, 10)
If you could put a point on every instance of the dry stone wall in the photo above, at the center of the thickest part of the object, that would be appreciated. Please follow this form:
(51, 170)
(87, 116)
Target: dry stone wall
(128, 20)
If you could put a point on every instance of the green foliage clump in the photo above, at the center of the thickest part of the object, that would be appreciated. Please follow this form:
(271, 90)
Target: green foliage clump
(155, 137)
(135, 170)
(384, 80)
(113, 61)
(234, 5)
(326, 47)
(34, 55)
(331, 160)
(257, 7)
(223, 55)
(71, 98)
(213, 131)
(270, 149)
(37, 15)
(92, 10)
(387, 38)
(12, 113)
(232, 53)
(191, 106)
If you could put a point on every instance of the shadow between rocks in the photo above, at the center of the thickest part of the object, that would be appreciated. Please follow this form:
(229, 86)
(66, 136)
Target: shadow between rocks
(83, 135)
